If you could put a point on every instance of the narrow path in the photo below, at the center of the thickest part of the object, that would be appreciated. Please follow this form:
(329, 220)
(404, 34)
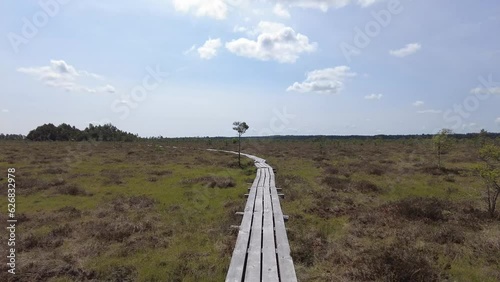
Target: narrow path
(262, 251)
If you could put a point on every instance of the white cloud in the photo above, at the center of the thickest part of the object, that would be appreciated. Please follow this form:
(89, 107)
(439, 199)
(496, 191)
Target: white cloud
(374, 96)
(59, 74)
(322, 5)
(429, 112)
(497, 121)
(491, 90)
(329, 81)
(107, 88)
(280, 11)
(325, 5)
(418, 103)
(216, 9)
(209, 49)
(409, 49)
(189, 51)
(238, 28)
(5, 110)
(60, 66)
(366, 3)
(89, 74)
(219, 9)
(275, 41)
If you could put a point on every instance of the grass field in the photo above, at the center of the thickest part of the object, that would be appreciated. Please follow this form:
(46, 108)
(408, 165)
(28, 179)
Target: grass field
(360, 210)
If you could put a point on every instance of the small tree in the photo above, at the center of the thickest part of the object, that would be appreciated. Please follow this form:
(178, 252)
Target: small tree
(481, 138)
(442, 143)
(489, 171)
(241, 128)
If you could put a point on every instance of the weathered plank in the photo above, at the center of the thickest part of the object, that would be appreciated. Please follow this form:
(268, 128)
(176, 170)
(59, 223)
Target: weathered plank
(254, 262)
(236, 267)
(262, 251)
(269, 262)
(265, 174)
(286, 267)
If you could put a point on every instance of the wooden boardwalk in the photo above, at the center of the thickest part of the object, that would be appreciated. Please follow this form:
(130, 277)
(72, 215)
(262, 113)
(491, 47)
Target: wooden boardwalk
(262, 252)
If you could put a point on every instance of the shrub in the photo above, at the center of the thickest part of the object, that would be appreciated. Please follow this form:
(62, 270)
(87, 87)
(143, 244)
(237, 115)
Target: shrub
(48, 242)
(309, 246)
(61, 231)
(212, 181)
(121, 204)
(121, 273)
(32, 185)
(56, 170)
(336, 183)
(71, 212)
(376, 171)
(402, 263)
(366, 186)
(422, 208)
(331, 170)
(152, 179)
(57, 182)
(449, 235)
(141, 202)
(161, 172)
(72, 189)
(449, 178)
(116, 230)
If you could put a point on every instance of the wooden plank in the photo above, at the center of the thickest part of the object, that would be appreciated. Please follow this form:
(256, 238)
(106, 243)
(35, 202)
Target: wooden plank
(236, 267)
(286, 267)
(269, 262)
(263, 179)
(256, 216)
(254, 262)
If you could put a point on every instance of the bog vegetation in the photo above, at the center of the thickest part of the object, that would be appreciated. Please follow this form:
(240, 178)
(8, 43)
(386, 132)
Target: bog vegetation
(361, 209)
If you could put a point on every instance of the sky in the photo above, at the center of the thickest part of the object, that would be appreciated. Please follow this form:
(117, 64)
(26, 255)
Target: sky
(179, 68)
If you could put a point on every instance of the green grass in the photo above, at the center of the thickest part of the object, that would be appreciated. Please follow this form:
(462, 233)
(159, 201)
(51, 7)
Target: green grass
(188, 236)
(154, 213)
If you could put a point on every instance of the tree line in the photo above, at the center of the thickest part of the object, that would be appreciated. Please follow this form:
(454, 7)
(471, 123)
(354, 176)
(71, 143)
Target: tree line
(12, 136)
(66, 132)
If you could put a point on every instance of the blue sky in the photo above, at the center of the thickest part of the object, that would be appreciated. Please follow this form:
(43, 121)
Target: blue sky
(192, 67)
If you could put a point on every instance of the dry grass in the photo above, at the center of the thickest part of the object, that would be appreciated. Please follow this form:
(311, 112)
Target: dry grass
(120, 212)
(211, 181)
(382, 211)
(360, 210)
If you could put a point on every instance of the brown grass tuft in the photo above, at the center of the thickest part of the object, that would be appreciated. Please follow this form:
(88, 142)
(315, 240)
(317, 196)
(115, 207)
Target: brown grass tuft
(427, 209)
(211, 181)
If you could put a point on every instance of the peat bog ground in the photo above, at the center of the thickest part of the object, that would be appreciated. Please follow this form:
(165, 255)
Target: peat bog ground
(360, 210)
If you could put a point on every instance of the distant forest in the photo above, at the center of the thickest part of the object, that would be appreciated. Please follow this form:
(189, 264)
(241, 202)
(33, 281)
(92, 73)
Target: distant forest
(66, 132)
(109, 132)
